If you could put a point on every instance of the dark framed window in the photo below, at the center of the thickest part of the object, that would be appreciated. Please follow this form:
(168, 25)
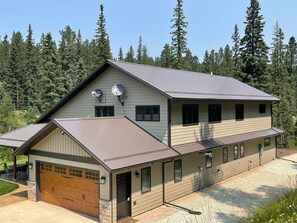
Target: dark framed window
(104, 111)
(214, 113)
(145, 179)
(177, 170)
(235, 147)
(262, 108)
(190, 114)
(241, 150)
(239, 112)
(148, 113)
(208, 160)
(267, 142)
(225, 154)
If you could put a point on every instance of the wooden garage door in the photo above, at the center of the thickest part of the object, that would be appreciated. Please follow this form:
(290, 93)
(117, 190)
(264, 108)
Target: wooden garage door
(69, 187)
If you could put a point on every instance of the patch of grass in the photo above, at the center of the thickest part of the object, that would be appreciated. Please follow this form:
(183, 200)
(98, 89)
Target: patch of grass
(6, 187)
(293, 143)
(20, 160)
(283, 209)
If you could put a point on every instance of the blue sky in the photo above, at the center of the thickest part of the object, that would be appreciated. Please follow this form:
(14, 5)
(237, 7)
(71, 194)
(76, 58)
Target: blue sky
(211, 22)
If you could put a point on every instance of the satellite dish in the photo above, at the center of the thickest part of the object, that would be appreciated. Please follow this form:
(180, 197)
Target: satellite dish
(97, 93)
(118, 90)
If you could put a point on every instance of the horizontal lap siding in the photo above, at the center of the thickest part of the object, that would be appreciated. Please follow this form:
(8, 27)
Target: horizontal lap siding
(56, 142)
(253, 121)
(145, 201)
(83, 104)
(194, 180)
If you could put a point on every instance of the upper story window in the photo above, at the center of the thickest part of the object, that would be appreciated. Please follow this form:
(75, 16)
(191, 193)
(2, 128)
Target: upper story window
(190, 114)
(148, 113)
(214, 113)
(103, 111)
(239, 112)
(145, 179)
(177, 170)
(262, 108)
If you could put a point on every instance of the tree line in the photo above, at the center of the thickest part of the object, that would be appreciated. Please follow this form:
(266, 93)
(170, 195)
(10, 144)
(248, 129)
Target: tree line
(35, 75)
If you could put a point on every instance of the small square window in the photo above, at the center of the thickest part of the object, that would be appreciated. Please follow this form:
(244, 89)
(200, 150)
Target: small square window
(267, 142)
(225, 154)
(239, 112)
(214, 113)
(262, 108)
(241, 150)
(145, 179)
(235, 152)
(148, 113)
(190, 114)
(208, 160)
(177, 170)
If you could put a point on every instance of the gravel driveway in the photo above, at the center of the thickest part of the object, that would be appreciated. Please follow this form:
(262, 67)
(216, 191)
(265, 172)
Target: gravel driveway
(232, 199)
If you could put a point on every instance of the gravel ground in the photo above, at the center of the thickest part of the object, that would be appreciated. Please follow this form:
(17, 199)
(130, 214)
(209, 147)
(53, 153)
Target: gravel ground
(233, 199)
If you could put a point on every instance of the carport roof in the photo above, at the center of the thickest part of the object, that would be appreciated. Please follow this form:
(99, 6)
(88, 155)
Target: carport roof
(18, 137)
(115, 142)
(227, 140)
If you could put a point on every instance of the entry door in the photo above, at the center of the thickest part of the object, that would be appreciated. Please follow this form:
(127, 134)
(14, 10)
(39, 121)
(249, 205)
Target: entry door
(123, 195)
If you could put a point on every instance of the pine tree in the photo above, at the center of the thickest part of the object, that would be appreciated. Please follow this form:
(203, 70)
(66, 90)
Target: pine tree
(292, 55)
(80, 68)
(130, 55)
(281, 86)
(121, 55)
(146, 59)
(165, 57)
(102, 39)
(190, 62)
(236, 59)
(139, 56)
(51, 84)
(4, 61)
(253, 48)
(226, 66)
(178, 39)
(16, 79)
(31, 69)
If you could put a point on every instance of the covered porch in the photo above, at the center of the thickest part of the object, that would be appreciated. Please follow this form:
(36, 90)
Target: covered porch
(13, 140)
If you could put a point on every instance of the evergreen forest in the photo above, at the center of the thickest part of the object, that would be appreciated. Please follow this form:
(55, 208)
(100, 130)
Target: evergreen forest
(34, 75)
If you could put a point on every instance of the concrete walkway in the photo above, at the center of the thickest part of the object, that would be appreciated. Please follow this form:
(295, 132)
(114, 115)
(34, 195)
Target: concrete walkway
(232, 199)
(15, 196)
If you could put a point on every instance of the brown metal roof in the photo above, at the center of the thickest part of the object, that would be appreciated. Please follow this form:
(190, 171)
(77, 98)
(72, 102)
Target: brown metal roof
(227, 140)
(116, 142)
(17, 137)
(174, 84)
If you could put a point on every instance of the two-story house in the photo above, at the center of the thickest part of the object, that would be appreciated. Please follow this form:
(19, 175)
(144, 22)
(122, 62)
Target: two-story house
(132, 137)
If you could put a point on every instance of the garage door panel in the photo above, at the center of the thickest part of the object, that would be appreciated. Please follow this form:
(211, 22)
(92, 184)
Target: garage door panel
(70, 187)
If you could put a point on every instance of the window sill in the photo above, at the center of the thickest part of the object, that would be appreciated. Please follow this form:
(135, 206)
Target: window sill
(193, 124)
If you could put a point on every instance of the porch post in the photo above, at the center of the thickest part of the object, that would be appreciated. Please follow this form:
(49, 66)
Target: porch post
(14, 167)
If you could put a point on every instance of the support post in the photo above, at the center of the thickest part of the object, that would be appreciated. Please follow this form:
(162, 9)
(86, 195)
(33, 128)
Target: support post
(14, 168)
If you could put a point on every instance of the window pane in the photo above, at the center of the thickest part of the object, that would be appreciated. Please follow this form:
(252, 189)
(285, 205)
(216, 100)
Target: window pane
(262, 108)
(235, 152)
(267, 142)
(241, 150)
(214, 113)
(145, 179)
(156, 113)
(225, 154)
(239, 112)
(190, 114)
(104, 111)
(139, 113)
(208, 160)
(148, 113)
(177, 170)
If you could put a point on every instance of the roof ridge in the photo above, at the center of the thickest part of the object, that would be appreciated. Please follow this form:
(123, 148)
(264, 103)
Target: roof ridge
(166, 68)
(89, 118)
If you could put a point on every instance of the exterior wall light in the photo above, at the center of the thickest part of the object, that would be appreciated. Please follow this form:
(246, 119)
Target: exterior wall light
(102, 180)
(30, 165)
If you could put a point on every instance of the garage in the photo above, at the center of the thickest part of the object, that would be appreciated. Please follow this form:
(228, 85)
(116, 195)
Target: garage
(70, 187)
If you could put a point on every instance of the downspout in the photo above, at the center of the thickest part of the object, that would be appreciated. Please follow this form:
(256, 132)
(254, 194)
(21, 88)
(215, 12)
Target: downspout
(169, 122)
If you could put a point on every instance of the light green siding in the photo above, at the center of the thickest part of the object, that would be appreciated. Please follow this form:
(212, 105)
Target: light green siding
(83, 104)
(253, 121)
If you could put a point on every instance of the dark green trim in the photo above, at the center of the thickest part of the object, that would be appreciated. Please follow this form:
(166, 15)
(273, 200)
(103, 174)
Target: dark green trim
(65, 157)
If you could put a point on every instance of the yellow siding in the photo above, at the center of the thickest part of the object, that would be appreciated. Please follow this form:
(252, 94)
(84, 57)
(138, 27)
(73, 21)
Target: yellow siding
(253, 121)
(83, 105)
(55, 142)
